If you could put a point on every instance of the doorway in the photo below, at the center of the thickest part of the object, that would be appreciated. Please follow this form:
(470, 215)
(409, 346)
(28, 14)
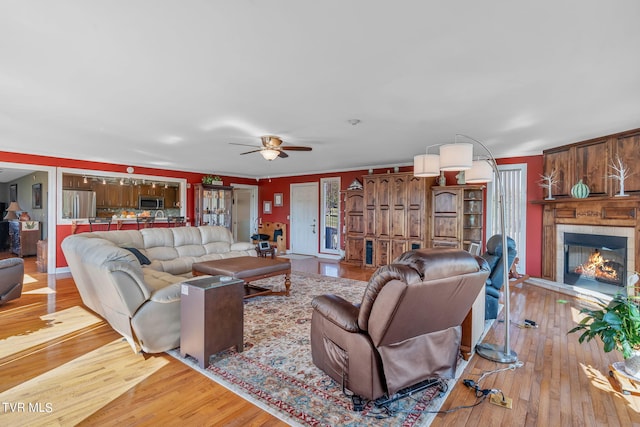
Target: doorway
(47, 215)
(244, 212)
(330, 216)
(304, 219)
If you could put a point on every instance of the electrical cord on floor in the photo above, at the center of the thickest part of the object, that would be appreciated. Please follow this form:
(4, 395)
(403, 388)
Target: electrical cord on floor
(512, 367)
(393, 409)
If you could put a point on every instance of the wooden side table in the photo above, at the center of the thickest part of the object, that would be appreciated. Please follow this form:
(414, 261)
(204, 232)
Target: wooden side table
(212, 317)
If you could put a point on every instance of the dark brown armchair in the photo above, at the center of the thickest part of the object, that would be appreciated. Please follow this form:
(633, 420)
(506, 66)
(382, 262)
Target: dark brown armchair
(11, 278)
(407, 328)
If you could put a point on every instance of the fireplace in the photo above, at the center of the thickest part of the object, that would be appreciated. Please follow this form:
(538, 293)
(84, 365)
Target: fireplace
(590, 258)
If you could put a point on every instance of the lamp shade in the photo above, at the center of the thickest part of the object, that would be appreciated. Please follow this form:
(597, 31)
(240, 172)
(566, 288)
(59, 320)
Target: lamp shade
(10, 215)
(11, 211)
(481, 171)
(456, 157)
(426, 165)
(270, 154)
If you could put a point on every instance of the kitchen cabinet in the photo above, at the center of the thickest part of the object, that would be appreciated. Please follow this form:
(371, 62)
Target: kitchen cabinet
(112, 195)
(101, 195)
(213, 205)
(170, 197)
(151, 190)
(75, 182)
(126, 199)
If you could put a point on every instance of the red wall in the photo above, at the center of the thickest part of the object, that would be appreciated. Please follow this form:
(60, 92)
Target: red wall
(267, 188)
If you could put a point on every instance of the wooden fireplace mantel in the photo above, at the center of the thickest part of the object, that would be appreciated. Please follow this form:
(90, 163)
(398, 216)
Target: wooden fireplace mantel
(591, 162)
(600, 211)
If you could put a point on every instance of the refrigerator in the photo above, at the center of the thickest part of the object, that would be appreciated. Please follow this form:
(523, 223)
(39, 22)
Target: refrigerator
(78, 204)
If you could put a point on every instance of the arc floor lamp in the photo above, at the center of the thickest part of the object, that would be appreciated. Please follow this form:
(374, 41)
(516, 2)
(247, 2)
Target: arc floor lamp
(459, 157)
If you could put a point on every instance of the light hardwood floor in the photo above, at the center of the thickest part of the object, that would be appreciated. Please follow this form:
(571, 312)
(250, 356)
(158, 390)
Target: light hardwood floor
(75, 370)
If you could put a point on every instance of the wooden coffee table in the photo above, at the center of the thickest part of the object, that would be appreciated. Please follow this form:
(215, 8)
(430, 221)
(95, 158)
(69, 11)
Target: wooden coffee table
(249, 269)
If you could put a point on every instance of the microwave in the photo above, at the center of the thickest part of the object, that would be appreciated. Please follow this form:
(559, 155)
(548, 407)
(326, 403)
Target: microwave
(150, 202)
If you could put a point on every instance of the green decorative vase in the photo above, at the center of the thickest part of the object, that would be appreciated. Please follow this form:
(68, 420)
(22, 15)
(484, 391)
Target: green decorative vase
(580, 190)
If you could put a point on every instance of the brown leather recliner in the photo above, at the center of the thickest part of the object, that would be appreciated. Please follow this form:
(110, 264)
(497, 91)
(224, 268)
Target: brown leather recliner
(407, 328)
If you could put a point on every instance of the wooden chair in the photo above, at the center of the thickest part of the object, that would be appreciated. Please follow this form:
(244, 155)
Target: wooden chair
(97, 220)
(175, 221)
(277, 232)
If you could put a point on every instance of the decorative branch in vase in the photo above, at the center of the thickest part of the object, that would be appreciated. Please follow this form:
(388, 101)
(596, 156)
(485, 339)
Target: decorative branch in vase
(621, 173)
(548, 182)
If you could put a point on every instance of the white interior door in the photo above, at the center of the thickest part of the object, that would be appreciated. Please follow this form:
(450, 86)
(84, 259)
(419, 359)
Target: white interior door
(245, 209)
(303, 234)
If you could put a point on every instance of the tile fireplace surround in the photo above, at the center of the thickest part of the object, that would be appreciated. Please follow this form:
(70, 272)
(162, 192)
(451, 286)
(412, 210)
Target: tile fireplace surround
(611, 216)
(627, 232)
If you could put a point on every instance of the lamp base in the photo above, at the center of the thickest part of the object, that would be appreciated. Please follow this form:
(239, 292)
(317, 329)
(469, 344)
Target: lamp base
(496, 353)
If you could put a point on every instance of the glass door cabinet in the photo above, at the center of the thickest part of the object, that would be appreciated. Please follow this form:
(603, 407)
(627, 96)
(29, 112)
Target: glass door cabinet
(213, 205)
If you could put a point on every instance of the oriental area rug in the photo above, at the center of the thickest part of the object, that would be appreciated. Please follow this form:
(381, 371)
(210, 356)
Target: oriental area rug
(275, 371)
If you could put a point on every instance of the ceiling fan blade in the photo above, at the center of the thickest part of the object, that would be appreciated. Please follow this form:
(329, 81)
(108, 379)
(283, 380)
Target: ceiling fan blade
(252, 151)
(295, 148)
(244, 145)
(283, 155)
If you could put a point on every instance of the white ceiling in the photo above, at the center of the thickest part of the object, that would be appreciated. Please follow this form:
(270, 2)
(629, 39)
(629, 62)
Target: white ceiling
(170, 84)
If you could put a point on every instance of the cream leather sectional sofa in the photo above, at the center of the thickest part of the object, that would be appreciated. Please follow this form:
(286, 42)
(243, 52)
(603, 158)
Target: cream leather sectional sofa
(132, 277)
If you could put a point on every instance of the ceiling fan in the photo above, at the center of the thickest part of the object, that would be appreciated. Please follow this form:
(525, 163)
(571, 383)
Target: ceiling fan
(273, 147)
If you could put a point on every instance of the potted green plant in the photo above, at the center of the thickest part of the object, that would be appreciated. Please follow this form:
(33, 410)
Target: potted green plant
(617, 324)
(210, 179)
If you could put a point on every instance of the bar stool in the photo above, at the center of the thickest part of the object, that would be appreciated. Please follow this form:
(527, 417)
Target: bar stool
(148, 221)
(96, 220)
(175, 221)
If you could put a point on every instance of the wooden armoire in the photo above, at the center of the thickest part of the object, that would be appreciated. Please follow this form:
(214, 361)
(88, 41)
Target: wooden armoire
(395, 216)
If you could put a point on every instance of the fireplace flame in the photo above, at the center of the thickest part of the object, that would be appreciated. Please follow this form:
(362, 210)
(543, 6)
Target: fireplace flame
(597, 267)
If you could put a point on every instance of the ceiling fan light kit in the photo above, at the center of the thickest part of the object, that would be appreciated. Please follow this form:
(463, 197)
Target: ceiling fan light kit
(273, 147)
(269, 154)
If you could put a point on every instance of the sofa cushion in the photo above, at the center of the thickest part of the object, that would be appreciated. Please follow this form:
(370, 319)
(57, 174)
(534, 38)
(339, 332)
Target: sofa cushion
(217, 247)
(122, 238)
(176, 266)
(157, 280)
(184, 236)
(157, 237)
(215, 234)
